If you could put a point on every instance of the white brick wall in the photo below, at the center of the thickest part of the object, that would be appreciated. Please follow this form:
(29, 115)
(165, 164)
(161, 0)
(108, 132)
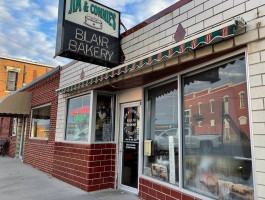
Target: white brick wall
(194, 16)
(257, 94)
(61, 114)
(70, 75)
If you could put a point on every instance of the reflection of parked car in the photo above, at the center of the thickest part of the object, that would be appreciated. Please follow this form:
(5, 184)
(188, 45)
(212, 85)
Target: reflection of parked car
(82, 135)
(206, 143)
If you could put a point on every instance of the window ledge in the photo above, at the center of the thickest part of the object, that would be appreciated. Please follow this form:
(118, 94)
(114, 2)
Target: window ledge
(75, 142)
(38, 140)
(104, 142)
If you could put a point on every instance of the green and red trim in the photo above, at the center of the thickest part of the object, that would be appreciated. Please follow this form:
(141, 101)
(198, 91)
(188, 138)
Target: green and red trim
(193, 44)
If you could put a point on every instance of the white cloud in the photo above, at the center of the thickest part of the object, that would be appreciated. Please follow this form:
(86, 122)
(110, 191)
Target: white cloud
(28, 27)
(47, 11)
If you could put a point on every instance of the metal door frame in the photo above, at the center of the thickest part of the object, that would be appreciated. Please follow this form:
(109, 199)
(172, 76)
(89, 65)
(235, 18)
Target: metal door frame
(120, 185)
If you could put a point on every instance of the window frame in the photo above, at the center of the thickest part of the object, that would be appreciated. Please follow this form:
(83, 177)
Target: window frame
(91, 93)
(242, 100)
(194, 70)
(7, 80)
(38, 138)
(93, 126)
(200, 108)
(92, 118)
(12, 126)
(212, 105)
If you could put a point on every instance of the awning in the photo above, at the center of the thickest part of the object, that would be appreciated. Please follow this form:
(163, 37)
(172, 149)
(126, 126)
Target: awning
(15, 104)
(217, 33)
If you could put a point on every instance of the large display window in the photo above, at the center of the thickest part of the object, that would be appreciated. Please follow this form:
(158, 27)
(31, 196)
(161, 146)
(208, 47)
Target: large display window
(161, 130)
(212, 128)
(217, 156)
(78, 119)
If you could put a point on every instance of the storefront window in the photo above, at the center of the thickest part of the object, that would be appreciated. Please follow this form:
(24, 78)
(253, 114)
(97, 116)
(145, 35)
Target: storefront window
(77, 125)
(217, 152)
(40, 122)
(104, 118)
(161, 132)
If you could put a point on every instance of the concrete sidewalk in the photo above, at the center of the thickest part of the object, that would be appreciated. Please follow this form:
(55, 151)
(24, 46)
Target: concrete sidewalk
(19, 181)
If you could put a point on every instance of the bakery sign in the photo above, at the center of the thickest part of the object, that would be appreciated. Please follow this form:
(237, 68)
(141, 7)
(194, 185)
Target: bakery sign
(89, 32)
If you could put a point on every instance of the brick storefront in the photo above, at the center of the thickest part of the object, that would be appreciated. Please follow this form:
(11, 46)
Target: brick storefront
(38, 152)
(88, 167)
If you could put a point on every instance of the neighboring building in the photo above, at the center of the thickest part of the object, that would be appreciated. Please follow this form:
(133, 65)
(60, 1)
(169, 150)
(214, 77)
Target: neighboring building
(209, 110)
(27, 114)
(16, 73)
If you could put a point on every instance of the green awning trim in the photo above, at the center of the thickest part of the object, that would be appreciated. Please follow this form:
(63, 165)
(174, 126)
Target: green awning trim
(193, 44)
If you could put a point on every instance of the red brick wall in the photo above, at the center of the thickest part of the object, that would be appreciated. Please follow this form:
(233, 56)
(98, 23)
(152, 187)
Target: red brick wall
(39, 153)
(5, 134)
(149, 190)
(88, 167)
(31, 72)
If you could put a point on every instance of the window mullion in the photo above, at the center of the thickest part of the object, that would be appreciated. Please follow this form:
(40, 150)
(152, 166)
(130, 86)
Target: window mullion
(92, 119)
(180, 143)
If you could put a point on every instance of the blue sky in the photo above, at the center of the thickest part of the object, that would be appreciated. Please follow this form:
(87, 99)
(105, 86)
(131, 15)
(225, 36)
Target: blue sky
(28, 27)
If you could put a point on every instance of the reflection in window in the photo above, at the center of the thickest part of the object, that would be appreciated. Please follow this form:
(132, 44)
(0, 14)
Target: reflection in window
(217, 159)
(242, 99)
(77, 124)
(226, 104)
(40, 122)
(103, 118)
(242, 120)
(212, 105)
(200, 108)
(212, 122)
(162, 129)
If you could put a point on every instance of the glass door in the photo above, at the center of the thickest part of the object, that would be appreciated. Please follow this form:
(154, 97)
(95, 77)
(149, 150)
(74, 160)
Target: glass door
(129, 147)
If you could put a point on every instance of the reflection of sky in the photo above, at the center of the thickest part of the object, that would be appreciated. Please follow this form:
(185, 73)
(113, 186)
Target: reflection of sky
(233, 72)
(166, 107)
(43, 122)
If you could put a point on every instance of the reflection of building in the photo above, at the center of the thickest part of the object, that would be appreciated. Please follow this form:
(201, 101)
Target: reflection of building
(203, 111)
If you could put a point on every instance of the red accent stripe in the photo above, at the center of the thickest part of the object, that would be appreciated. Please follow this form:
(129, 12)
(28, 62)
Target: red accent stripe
(194, 43)
(159, 56)
(170, 52)
(141, 63)
(225, 31)
(208, 38)
(150, 60)
(181, 48)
